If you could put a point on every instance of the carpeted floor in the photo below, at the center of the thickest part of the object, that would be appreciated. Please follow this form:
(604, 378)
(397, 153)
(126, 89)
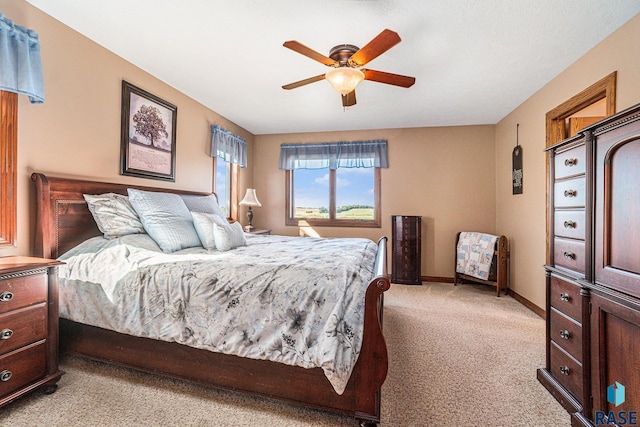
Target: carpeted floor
(459, 356)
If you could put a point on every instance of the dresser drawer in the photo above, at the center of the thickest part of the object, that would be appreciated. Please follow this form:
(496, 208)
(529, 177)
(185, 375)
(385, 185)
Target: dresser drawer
(22, 291)
(22, 367)
(570, 162)
(565, 297)
(23, 326)
(569, 193)
(566, 370)
(570, 223)
(567, 333)
(569, 254)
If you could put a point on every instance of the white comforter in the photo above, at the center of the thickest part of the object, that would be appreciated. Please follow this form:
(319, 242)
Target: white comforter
(293, 300)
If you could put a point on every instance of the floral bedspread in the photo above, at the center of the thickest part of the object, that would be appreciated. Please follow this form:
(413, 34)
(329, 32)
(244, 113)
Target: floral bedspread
(293, 300)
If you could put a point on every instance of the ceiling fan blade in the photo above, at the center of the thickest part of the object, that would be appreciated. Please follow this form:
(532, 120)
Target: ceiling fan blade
(308, 52)
(304, 82)
(349, 99)
(379, 45)
(388, 78)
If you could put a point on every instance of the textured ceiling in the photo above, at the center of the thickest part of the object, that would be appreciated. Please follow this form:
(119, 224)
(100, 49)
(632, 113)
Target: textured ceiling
(474, 60)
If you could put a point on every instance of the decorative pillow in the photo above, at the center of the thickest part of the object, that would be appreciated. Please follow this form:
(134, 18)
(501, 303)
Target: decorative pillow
(228, 236)
(205, 204)
(114, 214)
(203, 222)
(165, 218)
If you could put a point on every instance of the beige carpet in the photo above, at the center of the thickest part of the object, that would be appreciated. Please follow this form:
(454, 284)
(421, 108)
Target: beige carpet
(459, 356)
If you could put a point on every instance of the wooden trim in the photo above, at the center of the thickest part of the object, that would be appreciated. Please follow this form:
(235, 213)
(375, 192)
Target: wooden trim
(8, 166)
(437, 279)
(531, 306)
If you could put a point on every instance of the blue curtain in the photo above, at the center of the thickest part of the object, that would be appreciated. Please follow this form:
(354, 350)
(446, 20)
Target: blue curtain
(333, 155)
(20, 63)
(228, 146)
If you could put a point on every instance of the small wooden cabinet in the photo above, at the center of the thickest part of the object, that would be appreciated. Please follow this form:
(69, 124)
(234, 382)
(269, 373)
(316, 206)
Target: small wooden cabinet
(28, 326)
(406, 251)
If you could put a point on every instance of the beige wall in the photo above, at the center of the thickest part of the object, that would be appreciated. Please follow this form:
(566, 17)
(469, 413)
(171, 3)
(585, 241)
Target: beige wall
(446, 175)
(76, 132)
(522, 217)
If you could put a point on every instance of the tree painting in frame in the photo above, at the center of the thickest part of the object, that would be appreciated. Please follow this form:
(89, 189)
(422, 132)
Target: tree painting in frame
(148, 139)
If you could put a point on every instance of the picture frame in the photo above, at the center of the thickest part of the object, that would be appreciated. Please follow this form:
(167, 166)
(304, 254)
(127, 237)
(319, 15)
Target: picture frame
(148, 135)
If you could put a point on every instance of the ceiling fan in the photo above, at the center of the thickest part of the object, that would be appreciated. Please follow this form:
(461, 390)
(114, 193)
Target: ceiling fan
(346, 61)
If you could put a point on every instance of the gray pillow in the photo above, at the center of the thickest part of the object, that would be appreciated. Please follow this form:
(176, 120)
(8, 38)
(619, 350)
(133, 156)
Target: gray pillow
(203, 223)
(114, 215)
(205, 204)
(228, 236)
(166, 219)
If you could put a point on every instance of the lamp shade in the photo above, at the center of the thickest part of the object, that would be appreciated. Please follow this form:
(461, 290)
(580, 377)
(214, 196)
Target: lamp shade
(344, 79)
(250, 198)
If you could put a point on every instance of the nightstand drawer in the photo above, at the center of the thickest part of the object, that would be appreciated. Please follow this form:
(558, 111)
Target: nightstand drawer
(567, 333)
(566, 369)
(565, 296)
(22, 367)
(22, 291)
(23, 326)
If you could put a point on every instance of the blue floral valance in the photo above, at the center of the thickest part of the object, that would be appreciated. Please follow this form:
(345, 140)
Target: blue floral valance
(333, 155)
(20, 62)
(228, 146)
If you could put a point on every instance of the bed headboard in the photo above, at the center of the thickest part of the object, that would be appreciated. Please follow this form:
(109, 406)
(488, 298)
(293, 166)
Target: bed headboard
(63, 219)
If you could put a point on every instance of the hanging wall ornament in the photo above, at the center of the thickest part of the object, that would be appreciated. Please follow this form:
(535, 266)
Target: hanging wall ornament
(516, 158)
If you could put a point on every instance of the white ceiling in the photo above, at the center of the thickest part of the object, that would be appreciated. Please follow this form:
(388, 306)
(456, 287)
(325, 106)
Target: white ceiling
(474, 60)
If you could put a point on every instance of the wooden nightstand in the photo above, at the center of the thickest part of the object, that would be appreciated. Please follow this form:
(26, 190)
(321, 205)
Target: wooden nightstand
(259, 231)
(28, 326)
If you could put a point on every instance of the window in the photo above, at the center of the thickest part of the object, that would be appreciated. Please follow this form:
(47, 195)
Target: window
(333, 184)
(229, 152)
(8, 161)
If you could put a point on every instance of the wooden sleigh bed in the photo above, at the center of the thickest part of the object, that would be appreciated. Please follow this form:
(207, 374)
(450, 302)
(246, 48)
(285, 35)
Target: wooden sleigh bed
(63, 220)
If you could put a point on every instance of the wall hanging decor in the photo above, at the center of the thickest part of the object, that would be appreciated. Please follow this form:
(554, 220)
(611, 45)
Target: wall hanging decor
(516, 159)
(148, 136)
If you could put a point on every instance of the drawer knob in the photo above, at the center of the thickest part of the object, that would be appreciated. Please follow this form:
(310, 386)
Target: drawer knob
(6, 296)
(564, 334)
(571, 162)
(5, 334)
(569, 255)
(565, 297)
(564, 370)
(569, 224)
(5, 375)
(570, 193)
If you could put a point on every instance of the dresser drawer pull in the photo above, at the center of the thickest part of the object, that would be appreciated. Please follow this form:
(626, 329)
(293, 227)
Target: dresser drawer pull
(5, 334)
(6, 296)
(569, 224)
(569, 255)
(564, 370)
(570, 193)
(565, 297)
(5, 375)
(564, 334)
(571, 162)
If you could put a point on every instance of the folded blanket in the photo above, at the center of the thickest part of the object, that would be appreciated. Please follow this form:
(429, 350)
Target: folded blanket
(475, 253)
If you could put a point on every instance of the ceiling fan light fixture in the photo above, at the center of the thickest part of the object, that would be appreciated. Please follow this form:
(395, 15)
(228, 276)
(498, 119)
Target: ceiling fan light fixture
(344, 79)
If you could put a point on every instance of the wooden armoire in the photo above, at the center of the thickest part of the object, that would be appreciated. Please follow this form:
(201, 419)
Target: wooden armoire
(593, 277)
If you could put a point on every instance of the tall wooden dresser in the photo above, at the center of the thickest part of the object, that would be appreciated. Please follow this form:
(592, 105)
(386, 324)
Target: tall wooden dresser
(406, 250)
(593, 277)
(28, 326)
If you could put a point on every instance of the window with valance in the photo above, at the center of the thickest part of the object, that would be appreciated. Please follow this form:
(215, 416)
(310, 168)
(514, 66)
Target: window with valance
(20, 73)
(230, 152)
(334, 183)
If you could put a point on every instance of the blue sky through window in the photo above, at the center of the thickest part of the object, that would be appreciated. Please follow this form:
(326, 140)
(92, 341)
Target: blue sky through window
(354, 186)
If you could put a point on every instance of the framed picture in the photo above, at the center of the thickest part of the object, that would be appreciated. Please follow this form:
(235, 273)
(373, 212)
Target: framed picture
(148, 136)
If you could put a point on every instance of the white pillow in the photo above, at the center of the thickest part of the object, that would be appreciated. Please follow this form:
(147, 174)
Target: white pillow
(228, 236)
(165, 218)
(203, 222)
(205, 204)
(114, 215)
